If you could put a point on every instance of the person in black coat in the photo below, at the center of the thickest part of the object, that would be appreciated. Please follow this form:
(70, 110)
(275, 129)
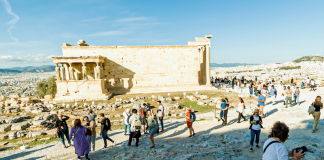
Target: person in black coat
(62, 129)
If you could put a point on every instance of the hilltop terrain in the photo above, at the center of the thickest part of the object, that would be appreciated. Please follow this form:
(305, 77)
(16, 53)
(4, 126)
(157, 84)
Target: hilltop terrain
(309, 58)
(32, 69)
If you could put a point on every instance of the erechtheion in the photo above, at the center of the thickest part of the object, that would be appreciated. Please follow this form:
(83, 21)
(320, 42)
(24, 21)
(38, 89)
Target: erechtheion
(95, 72)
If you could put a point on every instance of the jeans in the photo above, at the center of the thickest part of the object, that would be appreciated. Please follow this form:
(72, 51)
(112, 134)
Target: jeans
(129, 127)
(255, 133)
(297, 99)
(251, 91)
(161, 122)
(131, 137)
(92, 140)
(105, 137)
(223, 115)
(288, 100)
(66, 133)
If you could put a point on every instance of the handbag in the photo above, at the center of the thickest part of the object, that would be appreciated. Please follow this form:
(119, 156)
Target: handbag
(74, 134)
(311, 109)
(137, 134)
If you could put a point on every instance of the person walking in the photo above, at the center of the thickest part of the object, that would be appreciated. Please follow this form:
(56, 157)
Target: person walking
(153, 126)
(92, 116)
(261, 103)
(296, 95)
(63, 129)
(251, 89)
(127, 115)
(223, 113)
(90, 132)
(273, 94)
(105, 126)
(273, 147)
(312, 85)
(161, 114)
(255, 127)
(318, 105)
(189, 122)
(143, 114)
(284, 94)
(288, 97)
(136, 124)
(77, 134)
(240, 110)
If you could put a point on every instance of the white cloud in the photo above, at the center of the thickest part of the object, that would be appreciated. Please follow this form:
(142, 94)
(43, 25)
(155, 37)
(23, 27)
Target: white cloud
(12, 22)
(133, 19)
(40, 58)
(23, 44)
(108, 33)
(94, 19)
(9, 10)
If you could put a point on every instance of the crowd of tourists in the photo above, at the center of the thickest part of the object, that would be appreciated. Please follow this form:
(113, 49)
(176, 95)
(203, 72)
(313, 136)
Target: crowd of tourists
(145, 121)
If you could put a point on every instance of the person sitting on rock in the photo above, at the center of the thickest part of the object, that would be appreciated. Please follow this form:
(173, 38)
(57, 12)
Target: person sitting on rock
(273, 147)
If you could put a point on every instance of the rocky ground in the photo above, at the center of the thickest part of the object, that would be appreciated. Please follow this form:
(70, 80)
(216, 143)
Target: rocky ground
(212, 140)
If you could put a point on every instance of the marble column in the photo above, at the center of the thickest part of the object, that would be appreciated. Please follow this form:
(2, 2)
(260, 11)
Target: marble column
(208, 64)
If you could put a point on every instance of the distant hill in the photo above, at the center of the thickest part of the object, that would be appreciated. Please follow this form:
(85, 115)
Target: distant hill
(229, 64)
(32, 69)
(309, 58)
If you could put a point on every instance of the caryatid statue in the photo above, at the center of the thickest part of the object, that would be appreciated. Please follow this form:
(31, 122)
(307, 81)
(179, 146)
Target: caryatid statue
(62, 70)
(97, 72)
(57, 72)
(84, 71)
(71, 72)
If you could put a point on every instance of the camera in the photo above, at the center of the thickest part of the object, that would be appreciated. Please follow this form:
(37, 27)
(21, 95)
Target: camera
(304, 148)
(257, 122)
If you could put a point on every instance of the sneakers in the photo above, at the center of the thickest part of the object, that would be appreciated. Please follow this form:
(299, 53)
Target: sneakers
(251, 149)
(145, 133)
(257, 146)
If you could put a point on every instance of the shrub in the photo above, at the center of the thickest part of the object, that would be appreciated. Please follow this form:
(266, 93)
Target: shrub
(46, 87)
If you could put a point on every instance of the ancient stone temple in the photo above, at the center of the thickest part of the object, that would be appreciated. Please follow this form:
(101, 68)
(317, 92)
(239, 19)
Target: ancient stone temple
(95, 72)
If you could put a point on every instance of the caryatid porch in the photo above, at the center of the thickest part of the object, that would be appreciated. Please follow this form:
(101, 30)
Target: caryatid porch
(80, 78)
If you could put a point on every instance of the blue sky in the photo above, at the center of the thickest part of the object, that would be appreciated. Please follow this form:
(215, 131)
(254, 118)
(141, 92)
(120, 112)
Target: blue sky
(244, 31)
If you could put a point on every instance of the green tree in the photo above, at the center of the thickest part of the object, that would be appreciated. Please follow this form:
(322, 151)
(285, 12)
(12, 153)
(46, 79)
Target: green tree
(46, 88)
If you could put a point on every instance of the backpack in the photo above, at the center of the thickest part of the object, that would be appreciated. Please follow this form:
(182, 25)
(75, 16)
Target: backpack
(136, 124)
(192, 117)
(127, 118)
(108, 124)
(311, 109)
(142, 113)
